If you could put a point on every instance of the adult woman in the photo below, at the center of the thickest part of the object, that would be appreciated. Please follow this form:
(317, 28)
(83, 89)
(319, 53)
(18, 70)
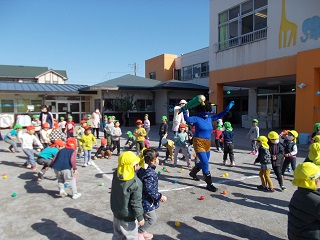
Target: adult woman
(46, 116)
(96, 117)
(202, 139)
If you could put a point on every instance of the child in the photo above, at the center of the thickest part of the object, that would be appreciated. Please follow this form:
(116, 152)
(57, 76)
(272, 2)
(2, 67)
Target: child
(107, 130)
(62, 124)
(316, 131)
(45, 135)
(169, 145)
(104, 150)
(139, 133)
(28, 139)
(290, 151)
(180, 143)
(86, 142)
(277, 153)
(151, 197)
(37, 125)
(89, 120)
(80, 132)
(103, 124)
(57, 134)
(11, 136)
(146, 125)
(227, 136)
(190, 141)
(65, 167)
(254, 133)
(70, 127)
(163, 130)
(264, 158)
(46, 156)
(219, 142)
(126, 198)
(131, 141)
(116, 134)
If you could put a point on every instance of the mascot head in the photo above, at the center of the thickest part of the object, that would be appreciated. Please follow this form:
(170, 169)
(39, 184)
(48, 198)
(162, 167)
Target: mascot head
(204, 109)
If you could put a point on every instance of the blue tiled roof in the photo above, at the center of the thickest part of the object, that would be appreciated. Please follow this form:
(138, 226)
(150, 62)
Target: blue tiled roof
(40, 87)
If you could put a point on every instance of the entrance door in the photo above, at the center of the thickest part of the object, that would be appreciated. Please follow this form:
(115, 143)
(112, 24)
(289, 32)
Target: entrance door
(69, 108)
(287, 111)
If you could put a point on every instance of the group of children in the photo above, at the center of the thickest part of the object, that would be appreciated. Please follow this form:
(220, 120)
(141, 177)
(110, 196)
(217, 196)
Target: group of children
(135, 195)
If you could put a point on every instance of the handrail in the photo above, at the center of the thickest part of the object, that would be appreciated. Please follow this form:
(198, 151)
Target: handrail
(241, 40)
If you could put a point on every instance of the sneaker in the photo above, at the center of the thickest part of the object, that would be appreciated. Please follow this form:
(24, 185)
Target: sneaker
(34, 168)
(10, 149)
(40, 175)
(63, 193)
(76, 195)
(84, 165)
(140, 236)
(28, 166)
(256, 153)
(147, 235)
(232, 164)
(283, 188)
(270, 190)
(224, 162)
(252, 153)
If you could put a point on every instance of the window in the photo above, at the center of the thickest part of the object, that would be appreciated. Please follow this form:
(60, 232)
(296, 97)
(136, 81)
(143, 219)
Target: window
(187, 73)
(153, 75)
(196, 70)
(108, 105)
(205, 69)
(246, 22)
(143, 105)
(7, 106)
(37, 105)
(22, 105)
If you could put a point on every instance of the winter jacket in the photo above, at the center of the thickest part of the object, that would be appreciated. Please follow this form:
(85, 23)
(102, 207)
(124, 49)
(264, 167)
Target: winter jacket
(65, 159)
(163, 129)
(139, 133)
(150, 195)
(264, 158)
(278, 151)
(181, 139)
(125, 199)
(86, 141)
(304, 215)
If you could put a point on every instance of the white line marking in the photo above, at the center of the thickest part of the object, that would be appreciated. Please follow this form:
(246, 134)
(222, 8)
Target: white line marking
(104, 175)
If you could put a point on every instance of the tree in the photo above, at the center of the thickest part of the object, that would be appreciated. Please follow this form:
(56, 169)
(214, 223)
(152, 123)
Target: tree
(124, 104)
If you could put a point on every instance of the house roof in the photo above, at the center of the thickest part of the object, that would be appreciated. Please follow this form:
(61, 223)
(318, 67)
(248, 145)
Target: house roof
(180, 85)
(46, 88)
(135, 82)
(125, 82)
(25, 71)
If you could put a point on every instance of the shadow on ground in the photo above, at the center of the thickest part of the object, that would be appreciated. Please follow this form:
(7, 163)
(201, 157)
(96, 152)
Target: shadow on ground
(51, 230)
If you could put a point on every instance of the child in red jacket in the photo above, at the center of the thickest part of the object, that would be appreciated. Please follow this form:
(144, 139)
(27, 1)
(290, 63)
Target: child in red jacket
(219, 142)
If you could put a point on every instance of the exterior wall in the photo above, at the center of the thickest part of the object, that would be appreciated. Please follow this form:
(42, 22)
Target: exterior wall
(52, 77)
(303, 16)
(274, 58)
(195, 57)
(163, 66)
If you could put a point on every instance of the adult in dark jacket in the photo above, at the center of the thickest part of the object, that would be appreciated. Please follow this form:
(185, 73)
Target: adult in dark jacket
(304, 207)
(46, 116)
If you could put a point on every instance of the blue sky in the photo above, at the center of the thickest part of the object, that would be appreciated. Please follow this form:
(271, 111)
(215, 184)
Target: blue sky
(95, 41)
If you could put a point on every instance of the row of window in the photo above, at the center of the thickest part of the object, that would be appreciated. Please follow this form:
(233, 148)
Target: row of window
(139, 105)
(199, 70)
(19, 105)
(239, 24)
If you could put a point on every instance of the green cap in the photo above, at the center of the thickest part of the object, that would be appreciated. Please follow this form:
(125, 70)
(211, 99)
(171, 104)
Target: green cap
(89, 115)
(255, 120)
(61, 118)
(109, 117)
(69, 117)
(164, 118)
(35, 116)
(17, 126)
(146, 115)
(105, 116)
(228, 126)
(129, 133)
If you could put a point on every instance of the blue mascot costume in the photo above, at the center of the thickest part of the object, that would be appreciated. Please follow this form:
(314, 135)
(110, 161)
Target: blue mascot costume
(202, 138)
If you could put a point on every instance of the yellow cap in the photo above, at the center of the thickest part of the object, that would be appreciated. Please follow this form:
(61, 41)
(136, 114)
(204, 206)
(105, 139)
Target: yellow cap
(126, 162)
(305, 175)
(314, 153)
(273, 135)
(264, 141)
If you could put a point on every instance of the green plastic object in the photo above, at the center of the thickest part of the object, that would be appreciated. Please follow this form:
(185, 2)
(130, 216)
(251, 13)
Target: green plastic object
(14, 194)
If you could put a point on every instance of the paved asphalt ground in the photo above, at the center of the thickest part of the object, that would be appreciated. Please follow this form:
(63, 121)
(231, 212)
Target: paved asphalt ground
(37, 212)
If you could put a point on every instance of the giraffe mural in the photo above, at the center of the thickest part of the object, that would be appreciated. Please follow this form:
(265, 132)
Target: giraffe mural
(286, 27)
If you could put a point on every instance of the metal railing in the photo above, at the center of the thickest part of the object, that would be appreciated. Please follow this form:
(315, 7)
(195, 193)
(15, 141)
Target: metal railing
(241, 40)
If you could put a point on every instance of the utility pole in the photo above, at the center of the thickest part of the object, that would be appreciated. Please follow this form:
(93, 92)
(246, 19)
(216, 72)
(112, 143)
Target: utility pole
(134, 66)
